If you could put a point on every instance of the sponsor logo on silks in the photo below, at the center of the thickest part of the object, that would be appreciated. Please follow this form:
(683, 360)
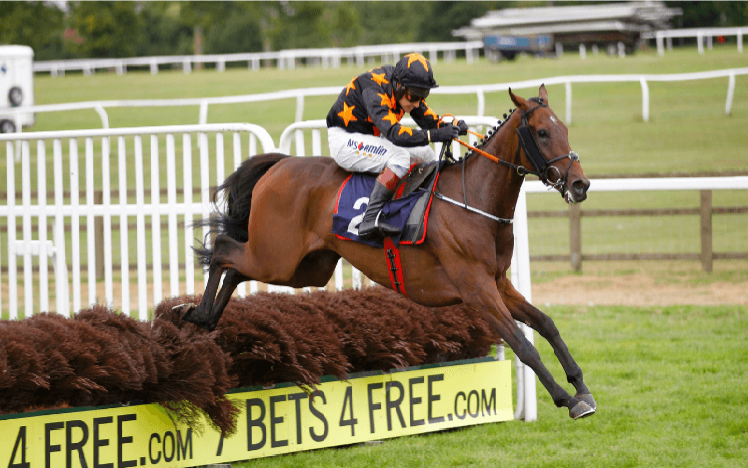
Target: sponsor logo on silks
(371, 149)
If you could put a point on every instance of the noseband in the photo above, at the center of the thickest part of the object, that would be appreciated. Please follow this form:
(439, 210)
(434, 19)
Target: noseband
(543, 166)
(527, 143)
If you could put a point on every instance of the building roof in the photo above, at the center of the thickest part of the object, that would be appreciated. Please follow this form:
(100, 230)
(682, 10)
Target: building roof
(629, 16)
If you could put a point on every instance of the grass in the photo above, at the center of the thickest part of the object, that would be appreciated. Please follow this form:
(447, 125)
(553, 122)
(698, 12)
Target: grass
(670, 387)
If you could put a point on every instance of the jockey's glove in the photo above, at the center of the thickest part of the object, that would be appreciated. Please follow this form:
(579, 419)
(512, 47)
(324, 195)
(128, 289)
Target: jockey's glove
(447, 132)
(463, 127)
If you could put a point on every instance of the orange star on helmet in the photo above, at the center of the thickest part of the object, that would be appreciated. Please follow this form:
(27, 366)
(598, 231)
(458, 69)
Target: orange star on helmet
(350, 86)
(414, 57)
(347, 114)
(407, 130)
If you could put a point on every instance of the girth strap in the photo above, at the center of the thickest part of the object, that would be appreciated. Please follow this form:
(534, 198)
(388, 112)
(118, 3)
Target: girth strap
(395, 268)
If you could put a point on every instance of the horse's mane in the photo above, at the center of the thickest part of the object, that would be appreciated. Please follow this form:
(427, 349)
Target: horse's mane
(490, 135)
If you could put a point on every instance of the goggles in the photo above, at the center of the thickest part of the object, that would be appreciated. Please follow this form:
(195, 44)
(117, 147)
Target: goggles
(416, 94)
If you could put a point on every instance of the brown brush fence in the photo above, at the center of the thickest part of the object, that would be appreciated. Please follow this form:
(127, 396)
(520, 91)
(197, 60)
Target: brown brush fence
(100, 357)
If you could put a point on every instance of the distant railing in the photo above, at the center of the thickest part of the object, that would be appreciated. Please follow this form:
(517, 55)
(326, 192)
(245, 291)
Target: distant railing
(284, 59)
(478, 90)
(701, 34)
(705, 185)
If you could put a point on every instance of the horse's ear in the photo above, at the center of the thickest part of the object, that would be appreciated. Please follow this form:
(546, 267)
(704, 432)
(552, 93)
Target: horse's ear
(517, 100)
(543, 94)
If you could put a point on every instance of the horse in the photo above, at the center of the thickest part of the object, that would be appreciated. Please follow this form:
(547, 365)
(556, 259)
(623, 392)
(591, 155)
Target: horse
(277, 229)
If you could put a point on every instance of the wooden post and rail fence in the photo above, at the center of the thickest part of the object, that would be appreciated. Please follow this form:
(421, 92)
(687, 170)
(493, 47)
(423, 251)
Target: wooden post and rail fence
(705, 211)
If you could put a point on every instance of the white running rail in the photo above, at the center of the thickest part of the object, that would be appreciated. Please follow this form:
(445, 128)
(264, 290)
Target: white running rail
(701, 35)
(479, 91)
(284, 59)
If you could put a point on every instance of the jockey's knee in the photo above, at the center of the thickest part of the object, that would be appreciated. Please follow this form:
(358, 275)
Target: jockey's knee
(423, 154)
(399, 161)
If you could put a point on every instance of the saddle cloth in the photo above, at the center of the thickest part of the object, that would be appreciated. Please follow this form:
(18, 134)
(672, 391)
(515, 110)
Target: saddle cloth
(409, 213)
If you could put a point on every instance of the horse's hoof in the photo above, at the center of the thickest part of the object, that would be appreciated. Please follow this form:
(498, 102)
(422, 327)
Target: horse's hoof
(581, 410)
(587, 398)
(186, 310)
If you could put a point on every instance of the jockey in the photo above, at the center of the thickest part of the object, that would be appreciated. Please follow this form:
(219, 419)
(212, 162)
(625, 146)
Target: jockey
(365, 135)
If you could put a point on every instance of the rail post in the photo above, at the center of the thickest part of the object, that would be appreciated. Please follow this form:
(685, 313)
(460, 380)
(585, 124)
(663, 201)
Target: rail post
(99, 236)
(705, 212)
(575, 236)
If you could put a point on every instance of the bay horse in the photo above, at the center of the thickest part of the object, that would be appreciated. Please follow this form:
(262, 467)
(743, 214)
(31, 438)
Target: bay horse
(277, 229)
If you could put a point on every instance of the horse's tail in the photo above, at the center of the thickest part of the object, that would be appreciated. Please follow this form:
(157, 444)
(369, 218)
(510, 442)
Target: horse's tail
(237, 195)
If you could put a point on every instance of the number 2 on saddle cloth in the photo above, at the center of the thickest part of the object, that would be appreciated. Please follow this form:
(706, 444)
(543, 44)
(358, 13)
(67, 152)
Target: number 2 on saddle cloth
(408, 210)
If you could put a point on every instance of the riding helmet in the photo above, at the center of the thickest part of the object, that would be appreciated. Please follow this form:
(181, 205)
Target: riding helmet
(414, 72)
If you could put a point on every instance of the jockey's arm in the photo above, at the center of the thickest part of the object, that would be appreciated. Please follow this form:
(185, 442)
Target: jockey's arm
(380, 108)
(424, 116)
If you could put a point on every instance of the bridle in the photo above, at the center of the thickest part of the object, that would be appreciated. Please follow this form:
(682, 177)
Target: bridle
(543, 166)
(529, 145)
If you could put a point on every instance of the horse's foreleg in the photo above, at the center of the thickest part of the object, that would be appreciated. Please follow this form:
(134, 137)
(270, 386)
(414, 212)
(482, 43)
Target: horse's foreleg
(493, 309)
(525, 312)
(527, 353)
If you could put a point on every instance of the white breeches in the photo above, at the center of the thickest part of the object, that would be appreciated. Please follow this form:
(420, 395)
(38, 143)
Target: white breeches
(358, 152)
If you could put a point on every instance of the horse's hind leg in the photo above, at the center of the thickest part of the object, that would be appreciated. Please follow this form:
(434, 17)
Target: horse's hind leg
(232, 279)
(525, 312)
(205, 314)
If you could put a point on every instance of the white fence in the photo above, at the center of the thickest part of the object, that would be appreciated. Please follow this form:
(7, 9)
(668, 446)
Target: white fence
(284, 59)
(701, 34)
(59, 212)
(479, 91)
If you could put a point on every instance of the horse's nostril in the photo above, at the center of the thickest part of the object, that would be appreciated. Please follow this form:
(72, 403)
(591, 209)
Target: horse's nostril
(580, 186)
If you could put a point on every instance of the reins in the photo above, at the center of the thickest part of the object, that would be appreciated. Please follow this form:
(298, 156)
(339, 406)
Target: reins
(529, 145)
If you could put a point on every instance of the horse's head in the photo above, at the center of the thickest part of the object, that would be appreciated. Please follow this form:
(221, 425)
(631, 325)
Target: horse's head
(544, 147)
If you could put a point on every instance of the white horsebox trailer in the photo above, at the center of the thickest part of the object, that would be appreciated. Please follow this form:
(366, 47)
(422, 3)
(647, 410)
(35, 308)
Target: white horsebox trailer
(16, 86)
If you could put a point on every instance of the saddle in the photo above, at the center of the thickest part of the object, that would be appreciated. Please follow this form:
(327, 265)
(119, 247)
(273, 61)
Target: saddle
(408, 209)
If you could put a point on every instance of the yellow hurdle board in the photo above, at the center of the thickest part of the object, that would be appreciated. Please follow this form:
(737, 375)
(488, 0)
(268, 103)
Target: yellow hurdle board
(273, 421)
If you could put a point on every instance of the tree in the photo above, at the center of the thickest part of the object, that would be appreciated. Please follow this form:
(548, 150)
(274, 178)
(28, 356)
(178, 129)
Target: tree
(108, 29)
(34, 24)
(163, 32)
(441, 18)
(299, 25)
(710, 14)
(236, 31)
(390, 22)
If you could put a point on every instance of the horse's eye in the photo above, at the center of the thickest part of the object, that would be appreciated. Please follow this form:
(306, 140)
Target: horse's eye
(543, 133)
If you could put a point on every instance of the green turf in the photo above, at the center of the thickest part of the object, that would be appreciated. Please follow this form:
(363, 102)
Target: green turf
(670, 388)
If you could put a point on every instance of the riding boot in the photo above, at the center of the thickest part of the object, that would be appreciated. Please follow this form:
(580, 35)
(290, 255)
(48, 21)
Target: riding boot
(384, 188)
